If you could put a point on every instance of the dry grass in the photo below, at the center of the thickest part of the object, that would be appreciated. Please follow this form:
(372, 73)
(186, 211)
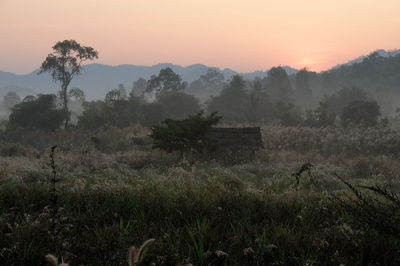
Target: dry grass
(202, 213)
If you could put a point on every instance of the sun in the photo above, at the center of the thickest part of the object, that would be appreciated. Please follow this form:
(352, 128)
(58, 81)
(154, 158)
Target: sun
(305, 62)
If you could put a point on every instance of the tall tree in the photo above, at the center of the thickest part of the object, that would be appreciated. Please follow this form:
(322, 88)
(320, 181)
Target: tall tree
(122, 91)
(212, 78)
(64, 63)
(138, 87)
(166, 81)
(278, 85)
(259, 108)
(232, 102)
(303, 82)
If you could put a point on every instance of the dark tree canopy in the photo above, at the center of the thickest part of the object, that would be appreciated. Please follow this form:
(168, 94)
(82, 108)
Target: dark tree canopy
(64, 63)
(77, 94)
(139, 87)
(184, 135)
(153, 114)
(336, 102)
(278, 85)
(364, 113)
(166, 81)
(212, 78)
(287, 114)
(178, 105)
(114, 111)
(37, 113)
(303, 83)
(259, 108)
(232, 101)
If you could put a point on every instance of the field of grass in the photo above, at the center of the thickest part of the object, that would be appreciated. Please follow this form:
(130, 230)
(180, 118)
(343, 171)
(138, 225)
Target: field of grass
(116, 192)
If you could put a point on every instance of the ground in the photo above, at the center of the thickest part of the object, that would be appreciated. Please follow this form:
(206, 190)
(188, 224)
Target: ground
(113, 194)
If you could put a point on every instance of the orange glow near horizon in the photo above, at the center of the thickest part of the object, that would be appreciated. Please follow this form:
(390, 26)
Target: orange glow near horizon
(244, 35)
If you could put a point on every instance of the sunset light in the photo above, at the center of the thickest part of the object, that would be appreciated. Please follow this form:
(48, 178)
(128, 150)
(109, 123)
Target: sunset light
(242, 35)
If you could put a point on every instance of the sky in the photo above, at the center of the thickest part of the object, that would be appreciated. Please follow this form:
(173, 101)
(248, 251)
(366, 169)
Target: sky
(244, 35)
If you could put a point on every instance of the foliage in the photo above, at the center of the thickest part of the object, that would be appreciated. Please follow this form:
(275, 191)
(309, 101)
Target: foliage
(303, 94)
(303, 82)
(287, 114)
(64, 63)
(232, 102)
(166, 81)
(205, 213)
(320, 117)
(77, 94)
(373, 72)
(259, 107)
(335, 103)
(365, 113)
(210, 83)
(36, 113)
(278, 85)
(94, 115)
(114, 111)
(379, 211)
(139, 87)
(153, 114)
(184, 135)
(178, 105)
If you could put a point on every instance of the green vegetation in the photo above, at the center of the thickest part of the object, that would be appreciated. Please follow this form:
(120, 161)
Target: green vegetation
(118, 192)
(64, 64)
(36, 113)
(185, 135)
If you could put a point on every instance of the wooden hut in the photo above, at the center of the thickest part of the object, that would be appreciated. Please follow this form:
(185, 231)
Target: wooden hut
(241, 138)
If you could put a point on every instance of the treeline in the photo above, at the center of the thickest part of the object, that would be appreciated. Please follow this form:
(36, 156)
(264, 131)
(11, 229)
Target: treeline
(272, 100)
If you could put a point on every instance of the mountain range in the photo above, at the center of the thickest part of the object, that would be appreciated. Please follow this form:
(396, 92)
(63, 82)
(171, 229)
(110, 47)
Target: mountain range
(97, 79)
(380, 52)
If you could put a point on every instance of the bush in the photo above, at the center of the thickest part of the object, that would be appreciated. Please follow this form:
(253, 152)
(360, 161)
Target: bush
(184, 135)
(37, 113)
(365, 113)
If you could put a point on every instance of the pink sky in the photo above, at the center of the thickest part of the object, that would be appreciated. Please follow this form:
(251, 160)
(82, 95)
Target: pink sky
(244, 35)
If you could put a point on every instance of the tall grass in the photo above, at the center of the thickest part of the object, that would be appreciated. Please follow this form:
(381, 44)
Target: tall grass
(254, 213)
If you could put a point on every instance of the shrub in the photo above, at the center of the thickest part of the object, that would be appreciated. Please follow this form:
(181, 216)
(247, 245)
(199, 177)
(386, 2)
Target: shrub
(37, 113)
(184, 135)
(365, 113)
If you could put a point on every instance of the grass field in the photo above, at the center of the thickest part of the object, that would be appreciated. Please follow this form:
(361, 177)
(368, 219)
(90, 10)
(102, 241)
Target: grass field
(120, 194)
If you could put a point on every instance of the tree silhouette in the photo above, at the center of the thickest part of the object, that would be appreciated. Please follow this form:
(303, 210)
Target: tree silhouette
(166, 81)
(64, 63)
(232, 102)
(365, 113)
(36, 113)
(278, 85)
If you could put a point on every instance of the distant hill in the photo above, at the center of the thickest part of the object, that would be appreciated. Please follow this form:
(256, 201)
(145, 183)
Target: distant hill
(378, 70)
(22, 92)
(97, 79)
(380, 52)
